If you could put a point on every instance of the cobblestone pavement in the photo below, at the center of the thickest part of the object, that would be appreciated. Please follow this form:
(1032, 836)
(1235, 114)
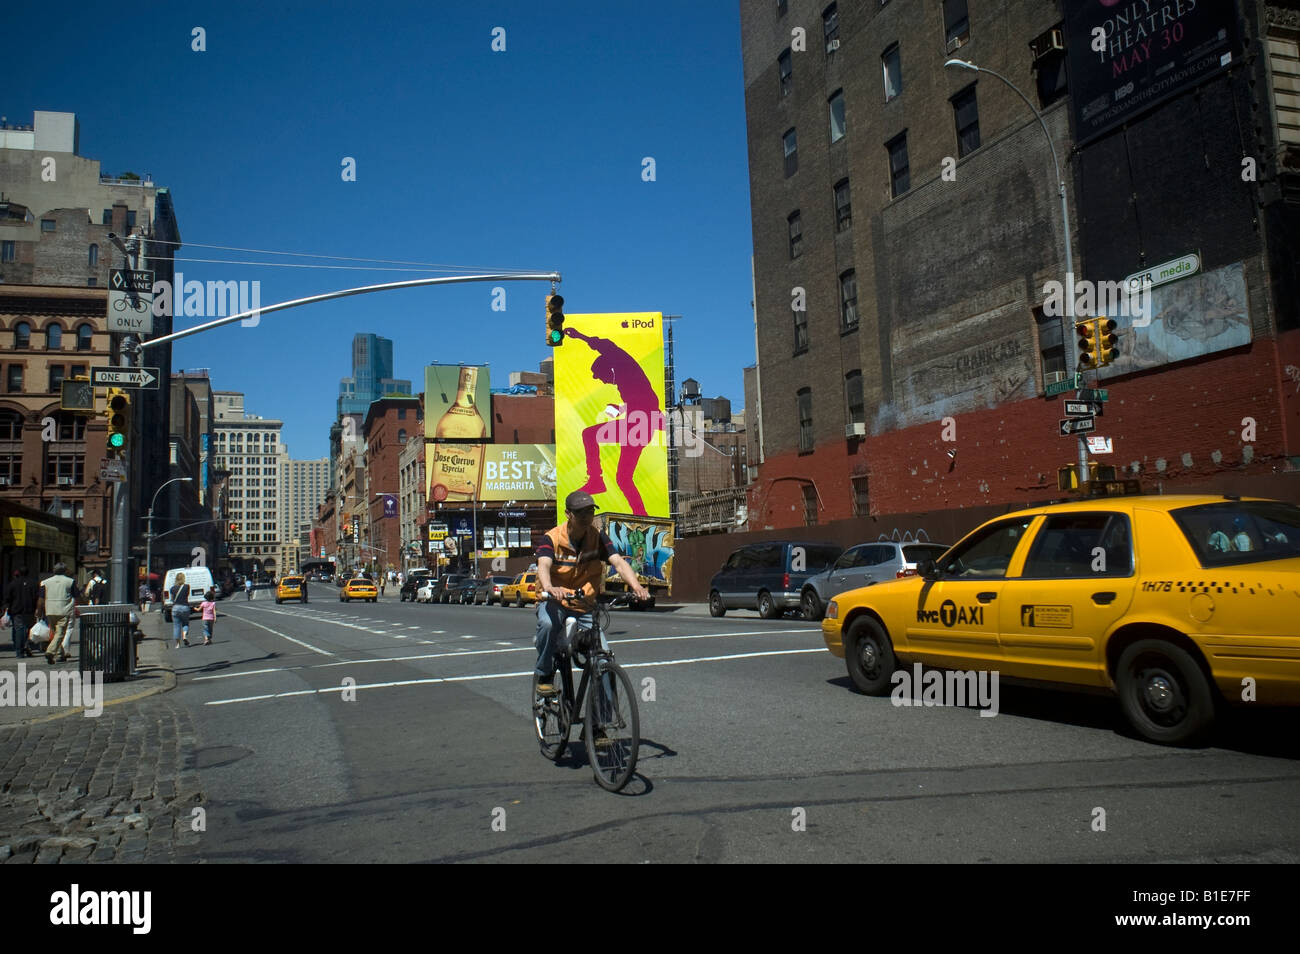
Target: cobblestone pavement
(112, 788)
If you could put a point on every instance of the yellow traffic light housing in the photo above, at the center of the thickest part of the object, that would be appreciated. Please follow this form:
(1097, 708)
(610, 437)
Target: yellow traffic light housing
(1107, 340)
(1087, 332)
(117, 412)
(554, 321)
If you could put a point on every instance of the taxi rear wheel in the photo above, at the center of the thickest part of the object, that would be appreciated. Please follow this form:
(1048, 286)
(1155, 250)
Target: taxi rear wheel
(1163, 693)
(869, 657)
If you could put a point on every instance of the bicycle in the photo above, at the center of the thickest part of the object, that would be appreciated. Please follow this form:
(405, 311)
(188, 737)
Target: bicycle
(610, 721)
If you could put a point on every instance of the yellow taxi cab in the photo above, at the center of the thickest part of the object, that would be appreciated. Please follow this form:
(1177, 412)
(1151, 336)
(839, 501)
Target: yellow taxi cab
(1174, 603)
(359, 589)
(523, 589)
(289, 588)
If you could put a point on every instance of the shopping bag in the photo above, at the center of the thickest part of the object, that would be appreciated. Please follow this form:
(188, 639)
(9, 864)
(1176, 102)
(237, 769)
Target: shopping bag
(5, 622)
(39, 633)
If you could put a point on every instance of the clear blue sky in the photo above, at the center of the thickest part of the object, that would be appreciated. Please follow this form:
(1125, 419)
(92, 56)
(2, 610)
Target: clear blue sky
(528, 158)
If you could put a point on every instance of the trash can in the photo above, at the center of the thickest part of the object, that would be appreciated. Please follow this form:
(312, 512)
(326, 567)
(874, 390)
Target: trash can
(106, 643)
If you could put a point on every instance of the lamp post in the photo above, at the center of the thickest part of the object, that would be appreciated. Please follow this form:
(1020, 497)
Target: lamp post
(148, 545)
(1072, 365)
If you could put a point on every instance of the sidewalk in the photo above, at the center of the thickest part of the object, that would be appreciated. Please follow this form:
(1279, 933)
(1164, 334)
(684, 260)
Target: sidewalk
(155, 673)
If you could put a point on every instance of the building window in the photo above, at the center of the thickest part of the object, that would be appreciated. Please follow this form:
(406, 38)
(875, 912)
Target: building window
(107, 218)
(130, 219)
(53, 338)
(77, 371)
(853, 397)
(861, 500)
(7, 251)
(47, 225)
(795, 228)
(809, 505)
(22, 336)
(1051, 78)
(966, 114)
(843, 209)
(893, 70)
(804, 405)
(848, 301)
(956, 23)
(899, 179)
(831, 28)
(71, 427)
(84, 337)
(68, 470)
(15, 379)
(92, 258)
(837, 115)
(791, 147)
(785, 67)
(11, 467)
(800, 331)
(56, 377)
(92, 281)
(1051, 350)
(11, 426)
(401, 413)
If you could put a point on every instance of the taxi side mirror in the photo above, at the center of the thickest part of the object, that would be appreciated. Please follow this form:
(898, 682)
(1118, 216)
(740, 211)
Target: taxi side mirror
(927, 570)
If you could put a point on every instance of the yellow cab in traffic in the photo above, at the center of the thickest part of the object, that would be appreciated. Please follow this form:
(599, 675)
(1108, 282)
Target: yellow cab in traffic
(289, 588)
(523, 589)
(359, 589)
(1175, 603)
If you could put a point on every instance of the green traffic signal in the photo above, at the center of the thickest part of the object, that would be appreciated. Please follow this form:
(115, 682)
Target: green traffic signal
(116, 440)
(554, 338)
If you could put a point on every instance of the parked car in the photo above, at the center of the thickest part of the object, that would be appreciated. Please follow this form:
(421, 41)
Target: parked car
(412, 583)
(358, 589)
(769, 577)
(521, 590)
(489, 590)
(465, 590)
(865, 565)
(424, 592)
(445, 585)
(1148, 597)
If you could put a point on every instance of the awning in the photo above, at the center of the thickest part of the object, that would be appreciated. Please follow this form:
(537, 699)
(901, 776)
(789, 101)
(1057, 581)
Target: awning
(20, 532)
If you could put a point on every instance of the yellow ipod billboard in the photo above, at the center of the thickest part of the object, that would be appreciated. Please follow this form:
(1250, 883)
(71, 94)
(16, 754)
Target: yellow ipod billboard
(609, 417)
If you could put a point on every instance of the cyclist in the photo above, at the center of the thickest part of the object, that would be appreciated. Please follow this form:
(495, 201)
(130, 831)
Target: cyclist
(569, 562)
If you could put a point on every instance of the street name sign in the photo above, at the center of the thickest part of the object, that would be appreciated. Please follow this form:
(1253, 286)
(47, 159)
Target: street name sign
(1093, 394)
(1077, 425)
(1060, 387)
(1085, 408)
(125, 377)
(130, 301)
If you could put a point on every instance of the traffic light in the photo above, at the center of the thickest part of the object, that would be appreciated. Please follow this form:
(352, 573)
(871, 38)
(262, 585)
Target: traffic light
(554, 320)
(1106, 341)
(117, 411)
(1087, 332)
(234, 530)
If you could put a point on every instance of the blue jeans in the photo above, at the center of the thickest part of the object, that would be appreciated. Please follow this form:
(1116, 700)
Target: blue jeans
(180, 622)
(21, 625)
(550, 627)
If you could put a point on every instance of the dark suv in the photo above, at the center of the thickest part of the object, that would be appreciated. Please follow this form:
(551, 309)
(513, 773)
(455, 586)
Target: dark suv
(444, 587)
(768, 577)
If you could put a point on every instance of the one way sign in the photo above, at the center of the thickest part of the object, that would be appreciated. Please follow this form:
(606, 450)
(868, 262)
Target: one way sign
(1085, 408)
(1077, 425)
(125, 377)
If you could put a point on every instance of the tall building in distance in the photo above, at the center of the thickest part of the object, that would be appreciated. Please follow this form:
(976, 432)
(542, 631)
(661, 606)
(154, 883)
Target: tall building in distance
(303, 484)
(249, 447)
(372, 376)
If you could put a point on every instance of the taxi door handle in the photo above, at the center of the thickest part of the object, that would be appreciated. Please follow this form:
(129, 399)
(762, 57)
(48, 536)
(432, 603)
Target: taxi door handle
(1104, 598)
(986, 597)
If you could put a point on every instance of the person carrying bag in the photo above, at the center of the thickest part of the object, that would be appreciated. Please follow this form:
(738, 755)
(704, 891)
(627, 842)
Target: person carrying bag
(180, 594)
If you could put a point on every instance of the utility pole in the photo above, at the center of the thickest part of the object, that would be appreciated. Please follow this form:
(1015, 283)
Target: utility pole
(119, 591)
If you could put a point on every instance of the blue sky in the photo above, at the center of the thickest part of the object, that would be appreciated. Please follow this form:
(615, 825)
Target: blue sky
(529, 158)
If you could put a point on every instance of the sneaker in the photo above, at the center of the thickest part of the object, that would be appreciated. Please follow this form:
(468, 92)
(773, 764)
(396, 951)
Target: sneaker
(185, 640)
(207, 642)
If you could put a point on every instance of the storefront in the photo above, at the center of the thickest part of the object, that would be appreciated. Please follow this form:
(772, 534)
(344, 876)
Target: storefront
(35, 540)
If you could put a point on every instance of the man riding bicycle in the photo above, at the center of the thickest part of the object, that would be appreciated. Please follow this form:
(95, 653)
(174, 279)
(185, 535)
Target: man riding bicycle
(569, 564)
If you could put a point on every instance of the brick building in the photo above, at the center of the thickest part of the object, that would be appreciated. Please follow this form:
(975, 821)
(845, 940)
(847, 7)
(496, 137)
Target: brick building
(907, 226)
(390, 424)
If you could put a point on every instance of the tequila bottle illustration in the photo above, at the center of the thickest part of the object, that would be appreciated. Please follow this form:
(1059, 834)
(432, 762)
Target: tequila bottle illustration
(455, 471)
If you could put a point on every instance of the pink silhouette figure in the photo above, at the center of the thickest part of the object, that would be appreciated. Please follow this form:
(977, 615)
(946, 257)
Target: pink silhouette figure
(633, 431)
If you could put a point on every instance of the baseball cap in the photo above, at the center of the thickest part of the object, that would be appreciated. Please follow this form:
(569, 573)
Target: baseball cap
(578, 500)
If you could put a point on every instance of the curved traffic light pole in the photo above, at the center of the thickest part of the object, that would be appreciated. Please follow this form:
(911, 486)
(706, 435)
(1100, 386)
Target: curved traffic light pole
(131, 349)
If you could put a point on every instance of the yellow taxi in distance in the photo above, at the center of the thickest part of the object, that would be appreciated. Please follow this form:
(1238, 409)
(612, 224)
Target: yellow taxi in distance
(1174, 603)
(522, 589)
(289, 588)
(359, 589)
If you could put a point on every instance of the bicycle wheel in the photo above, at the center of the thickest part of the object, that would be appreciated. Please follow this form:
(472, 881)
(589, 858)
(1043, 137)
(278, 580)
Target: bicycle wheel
(613, 726)
(551, 725)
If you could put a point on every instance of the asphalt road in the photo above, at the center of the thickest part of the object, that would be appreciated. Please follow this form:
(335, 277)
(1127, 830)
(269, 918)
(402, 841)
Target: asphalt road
(753, 728)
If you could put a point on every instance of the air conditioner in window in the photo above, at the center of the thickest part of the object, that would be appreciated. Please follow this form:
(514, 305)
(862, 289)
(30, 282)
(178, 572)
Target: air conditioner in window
(65, 481)
(855, 430)
(832, 45)
(1047, 43)
(956, 43)
(4, 481)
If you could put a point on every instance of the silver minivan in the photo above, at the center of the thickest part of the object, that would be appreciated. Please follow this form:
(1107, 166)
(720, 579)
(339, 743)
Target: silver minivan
(864, 565)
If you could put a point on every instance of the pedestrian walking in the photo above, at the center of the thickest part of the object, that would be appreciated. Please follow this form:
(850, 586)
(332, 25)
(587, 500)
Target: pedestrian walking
(58, 606)
(20, 598)
(180, 594)
(248, 586)
(209, 609)
(144, 596)
(304, 589)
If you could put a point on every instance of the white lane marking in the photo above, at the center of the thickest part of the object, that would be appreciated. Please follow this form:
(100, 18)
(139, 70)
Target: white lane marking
(298, 642)
(467, 636)
(250, 672)
(413, 627)
(434, 680)
(502, 642)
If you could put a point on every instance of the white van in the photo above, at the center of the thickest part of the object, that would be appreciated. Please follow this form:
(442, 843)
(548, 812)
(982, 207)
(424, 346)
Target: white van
(197, 578)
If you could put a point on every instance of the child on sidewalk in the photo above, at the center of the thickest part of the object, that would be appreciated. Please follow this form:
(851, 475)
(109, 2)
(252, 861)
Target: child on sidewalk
(209, 609)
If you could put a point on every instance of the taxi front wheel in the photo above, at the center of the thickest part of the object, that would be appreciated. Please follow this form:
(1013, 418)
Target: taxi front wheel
(869, 657)
(1163, 693)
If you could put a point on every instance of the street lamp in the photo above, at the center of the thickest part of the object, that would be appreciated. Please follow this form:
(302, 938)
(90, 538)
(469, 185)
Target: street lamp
(1068, 317)
(148, 546)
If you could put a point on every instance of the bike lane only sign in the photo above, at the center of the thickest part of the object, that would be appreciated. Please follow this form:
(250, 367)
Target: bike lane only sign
(130, 301)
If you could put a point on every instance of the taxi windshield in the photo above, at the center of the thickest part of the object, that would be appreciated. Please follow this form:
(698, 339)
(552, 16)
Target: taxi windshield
(1236, 532)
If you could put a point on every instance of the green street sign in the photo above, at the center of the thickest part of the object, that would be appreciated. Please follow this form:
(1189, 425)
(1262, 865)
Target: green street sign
(1093, 394)
(1060, 387)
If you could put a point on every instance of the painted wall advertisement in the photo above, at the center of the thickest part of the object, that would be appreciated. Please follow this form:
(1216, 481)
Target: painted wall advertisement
(1128, 55)
(609, 420)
